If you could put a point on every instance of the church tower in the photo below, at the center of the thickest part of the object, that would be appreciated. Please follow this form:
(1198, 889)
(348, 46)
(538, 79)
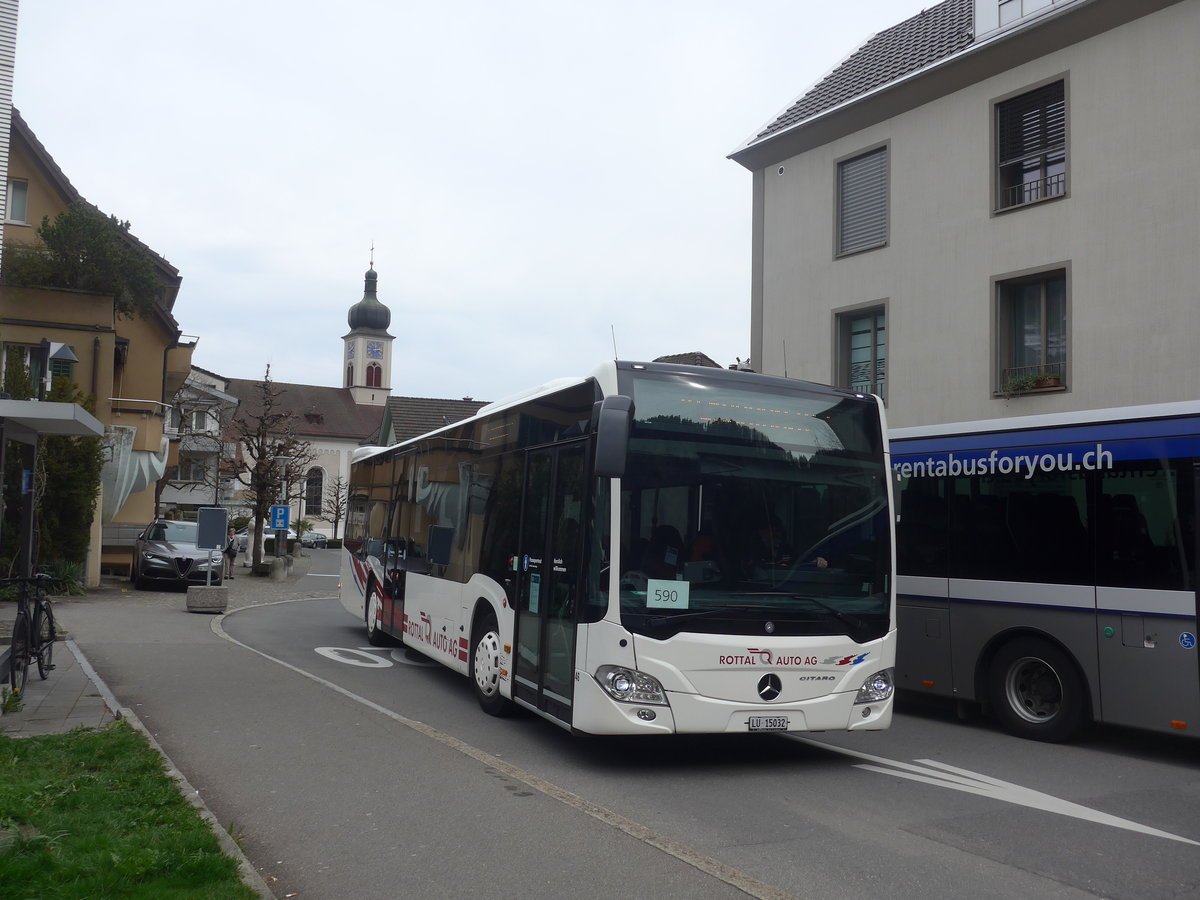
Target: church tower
(368, 347)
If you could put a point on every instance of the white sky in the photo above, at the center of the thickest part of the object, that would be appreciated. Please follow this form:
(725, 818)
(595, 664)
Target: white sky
(533, 175)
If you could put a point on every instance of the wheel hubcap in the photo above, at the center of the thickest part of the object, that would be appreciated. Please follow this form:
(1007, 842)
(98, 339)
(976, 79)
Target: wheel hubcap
(487, 664)
(1033, 690)
(373, 608)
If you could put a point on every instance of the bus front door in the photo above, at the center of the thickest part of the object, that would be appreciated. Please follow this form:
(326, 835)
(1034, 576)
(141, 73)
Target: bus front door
(548, 580)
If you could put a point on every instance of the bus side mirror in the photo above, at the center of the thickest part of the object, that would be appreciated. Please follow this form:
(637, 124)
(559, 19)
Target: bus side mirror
(613, 416)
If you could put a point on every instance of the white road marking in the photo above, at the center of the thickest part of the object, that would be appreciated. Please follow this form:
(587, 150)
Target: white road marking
(685, 854)
(947, 776)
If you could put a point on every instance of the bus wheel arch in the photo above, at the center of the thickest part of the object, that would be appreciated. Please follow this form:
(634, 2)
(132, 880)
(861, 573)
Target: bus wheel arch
(1035, 688)
(485, 659)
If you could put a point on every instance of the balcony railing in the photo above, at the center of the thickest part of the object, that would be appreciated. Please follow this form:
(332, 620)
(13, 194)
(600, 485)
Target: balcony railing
(1024, 379)
(1032, 191)
(869, 386)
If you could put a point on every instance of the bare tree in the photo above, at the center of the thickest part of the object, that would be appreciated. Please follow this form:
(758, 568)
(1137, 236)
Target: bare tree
(337, 496)
(274, 459)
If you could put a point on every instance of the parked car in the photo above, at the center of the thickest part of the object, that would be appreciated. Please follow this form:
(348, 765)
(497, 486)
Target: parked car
(313, 539)
(165, 555)
(243, 537)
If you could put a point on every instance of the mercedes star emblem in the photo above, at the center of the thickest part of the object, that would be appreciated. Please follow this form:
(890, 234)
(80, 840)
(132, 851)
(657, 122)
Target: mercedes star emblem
(769, 686)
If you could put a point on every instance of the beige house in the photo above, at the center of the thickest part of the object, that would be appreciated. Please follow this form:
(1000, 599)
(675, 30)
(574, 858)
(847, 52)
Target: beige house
(984, 211)
(131, 365)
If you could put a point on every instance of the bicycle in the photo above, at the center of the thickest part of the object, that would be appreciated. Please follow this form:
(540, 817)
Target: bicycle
(34, 630)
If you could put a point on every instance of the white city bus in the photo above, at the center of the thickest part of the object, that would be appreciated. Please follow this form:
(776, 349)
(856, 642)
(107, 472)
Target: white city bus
(1047, 567)
(651, 549)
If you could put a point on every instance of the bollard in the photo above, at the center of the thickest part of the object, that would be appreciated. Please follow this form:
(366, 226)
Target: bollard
(278, 569)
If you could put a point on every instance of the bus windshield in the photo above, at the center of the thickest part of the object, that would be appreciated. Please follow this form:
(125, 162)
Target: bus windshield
(747, 510)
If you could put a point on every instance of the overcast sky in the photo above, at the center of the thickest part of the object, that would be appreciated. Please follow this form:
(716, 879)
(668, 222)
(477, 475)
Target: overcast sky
(534, 175)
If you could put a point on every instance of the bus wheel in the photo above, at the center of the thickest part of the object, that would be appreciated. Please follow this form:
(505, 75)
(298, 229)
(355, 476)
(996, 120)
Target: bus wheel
(1036, 691)
(485, 667)
(375, 635)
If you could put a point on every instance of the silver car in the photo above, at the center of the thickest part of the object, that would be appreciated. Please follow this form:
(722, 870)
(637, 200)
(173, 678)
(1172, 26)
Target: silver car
(165, 554)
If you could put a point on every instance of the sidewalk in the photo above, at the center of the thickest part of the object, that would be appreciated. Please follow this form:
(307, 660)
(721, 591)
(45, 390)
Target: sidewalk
(73, 695)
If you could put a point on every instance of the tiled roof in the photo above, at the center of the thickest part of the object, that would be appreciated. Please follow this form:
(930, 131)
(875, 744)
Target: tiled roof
(694, 358)
(927, 37)
(414, 416)
(324, 412)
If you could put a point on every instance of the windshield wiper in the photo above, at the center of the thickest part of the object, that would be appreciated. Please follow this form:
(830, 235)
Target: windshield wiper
(848, 619)
(701, 613)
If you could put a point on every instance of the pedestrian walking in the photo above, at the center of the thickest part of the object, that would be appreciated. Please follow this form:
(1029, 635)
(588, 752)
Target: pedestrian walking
(231, 550)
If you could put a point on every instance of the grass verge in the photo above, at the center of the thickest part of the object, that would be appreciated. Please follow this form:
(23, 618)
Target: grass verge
(93, 814)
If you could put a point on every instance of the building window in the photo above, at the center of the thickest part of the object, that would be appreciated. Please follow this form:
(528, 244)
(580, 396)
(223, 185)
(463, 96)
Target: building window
(1032, 328)
(18, 201)
(190, 469)
(1031, 147)
(862, 194)
(374, 375)
(314, 490)
(863, 352)
(62, 368)
(350, 375)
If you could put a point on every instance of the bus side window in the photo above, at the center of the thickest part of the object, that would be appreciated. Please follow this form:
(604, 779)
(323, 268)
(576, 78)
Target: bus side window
(921, 533)
(1146, 530)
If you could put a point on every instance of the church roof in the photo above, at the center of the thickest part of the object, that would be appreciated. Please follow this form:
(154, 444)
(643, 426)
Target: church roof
(323, 412)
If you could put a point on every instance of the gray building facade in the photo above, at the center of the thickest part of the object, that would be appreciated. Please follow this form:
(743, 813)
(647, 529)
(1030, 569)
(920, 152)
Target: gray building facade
(988, 210)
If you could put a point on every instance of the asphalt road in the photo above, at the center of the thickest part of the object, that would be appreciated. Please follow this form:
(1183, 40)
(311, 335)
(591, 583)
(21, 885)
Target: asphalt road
(357, 771)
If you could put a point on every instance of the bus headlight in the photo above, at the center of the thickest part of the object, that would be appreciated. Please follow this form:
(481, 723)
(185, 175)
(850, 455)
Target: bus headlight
(630, 685)
(876, 688)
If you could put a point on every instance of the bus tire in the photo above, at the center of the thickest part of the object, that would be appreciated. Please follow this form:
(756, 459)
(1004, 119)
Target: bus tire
(485, 667)
(376, 636)
(1036, 691)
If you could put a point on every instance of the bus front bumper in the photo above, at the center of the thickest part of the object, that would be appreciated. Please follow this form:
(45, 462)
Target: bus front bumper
(597, 713)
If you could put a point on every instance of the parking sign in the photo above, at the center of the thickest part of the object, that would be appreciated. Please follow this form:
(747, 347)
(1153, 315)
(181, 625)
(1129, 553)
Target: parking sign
(279, 518)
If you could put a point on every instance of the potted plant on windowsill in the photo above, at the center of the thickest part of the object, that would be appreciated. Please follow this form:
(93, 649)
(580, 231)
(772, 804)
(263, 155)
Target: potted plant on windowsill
(1022, 384)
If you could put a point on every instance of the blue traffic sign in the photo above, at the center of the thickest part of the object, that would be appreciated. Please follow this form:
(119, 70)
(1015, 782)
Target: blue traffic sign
(279, 518)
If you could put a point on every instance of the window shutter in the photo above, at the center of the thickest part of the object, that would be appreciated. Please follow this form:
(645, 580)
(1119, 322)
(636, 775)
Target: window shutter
(1032, 123)
(862, 202)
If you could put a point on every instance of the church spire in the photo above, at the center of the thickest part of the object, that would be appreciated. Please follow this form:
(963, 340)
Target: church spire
(368, 313)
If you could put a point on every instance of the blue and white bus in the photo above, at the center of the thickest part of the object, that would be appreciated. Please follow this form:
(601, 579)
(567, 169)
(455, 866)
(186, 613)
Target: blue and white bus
(650, 549)
(1047, 567)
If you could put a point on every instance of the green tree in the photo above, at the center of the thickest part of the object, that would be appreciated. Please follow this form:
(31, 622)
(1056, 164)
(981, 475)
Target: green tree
(84, 249)
(66, 482)
(67, 486)
(19, 385)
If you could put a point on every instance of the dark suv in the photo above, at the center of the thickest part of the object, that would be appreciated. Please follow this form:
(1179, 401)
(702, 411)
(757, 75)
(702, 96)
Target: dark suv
(165, 554)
